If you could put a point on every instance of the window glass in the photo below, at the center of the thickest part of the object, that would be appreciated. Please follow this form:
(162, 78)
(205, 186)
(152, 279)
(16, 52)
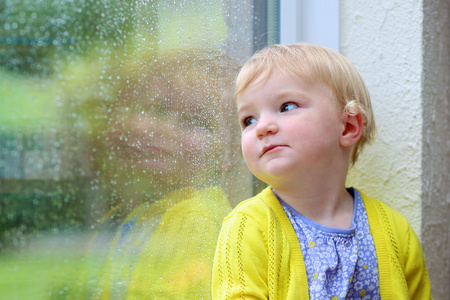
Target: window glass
(119, 148)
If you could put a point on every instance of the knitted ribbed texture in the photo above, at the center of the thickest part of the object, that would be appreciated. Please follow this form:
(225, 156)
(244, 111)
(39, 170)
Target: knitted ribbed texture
(259, 257)
(253, 258)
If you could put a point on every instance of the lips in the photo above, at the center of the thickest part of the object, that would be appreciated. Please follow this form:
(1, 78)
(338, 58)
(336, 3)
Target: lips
(141, 151)
(271, 148)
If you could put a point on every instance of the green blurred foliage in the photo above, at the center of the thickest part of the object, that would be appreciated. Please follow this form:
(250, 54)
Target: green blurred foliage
(24, 215)
(51, 57)
(44, 270)
(37, 34)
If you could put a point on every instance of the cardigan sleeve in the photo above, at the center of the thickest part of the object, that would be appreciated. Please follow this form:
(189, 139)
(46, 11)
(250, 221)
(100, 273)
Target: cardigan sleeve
(415, 269)
(401, 264)
(241, 260)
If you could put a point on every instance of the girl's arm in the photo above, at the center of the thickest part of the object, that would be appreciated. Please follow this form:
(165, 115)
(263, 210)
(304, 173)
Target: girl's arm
(241, 260)
(415, 268)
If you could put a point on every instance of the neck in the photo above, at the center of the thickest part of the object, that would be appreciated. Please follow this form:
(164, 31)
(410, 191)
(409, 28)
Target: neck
(322, 199)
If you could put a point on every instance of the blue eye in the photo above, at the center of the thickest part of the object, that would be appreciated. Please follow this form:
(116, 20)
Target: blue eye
(288, 106)
(248, 121)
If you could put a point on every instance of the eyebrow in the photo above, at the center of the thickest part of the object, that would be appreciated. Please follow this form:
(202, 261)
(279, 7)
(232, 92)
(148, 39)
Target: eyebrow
(245, 107)
(278, 95)
(290, 93)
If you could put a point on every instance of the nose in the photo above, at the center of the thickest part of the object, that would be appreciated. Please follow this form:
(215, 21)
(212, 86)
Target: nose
(266, 125)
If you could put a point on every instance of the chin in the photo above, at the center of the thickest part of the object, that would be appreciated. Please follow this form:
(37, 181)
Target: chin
(279, 170)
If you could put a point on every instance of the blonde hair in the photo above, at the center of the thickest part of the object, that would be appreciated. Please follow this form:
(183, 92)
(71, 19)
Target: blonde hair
(321, 65)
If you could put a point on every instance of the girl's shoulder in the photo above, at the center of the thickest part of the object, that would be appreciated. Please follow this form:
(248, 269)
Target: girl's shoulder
(381, 212)
(263, 204)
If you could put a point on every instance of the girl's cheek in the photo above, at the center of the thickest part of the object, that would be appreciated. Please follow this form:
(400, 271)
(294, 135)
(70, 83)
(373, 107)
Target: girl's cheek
(247, 148)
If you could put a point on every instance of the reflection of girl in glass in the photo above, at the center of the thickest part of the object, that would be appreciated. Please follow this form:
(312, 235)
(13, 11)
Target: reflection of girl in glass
(166, 147)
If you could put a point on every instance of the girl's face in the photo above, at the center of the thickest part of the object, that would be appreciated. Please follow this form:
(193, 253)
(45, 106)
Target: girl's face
(169, 132)
(290, 128)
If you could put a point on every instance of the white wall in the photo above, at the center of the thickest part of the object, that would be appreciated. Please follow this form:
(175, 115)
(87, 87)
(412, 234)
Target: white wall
(401, 49)
(384, 42)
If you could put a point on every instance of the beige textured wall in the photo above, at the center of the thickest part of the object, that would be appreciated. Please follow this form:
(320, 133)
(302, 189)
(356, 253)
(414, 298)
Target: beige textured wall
(384, 42)
(401, 49)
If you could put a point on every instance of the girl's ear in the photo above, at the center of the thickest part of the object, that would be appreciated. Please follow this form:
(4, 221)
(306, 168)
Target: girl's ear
(353, 128)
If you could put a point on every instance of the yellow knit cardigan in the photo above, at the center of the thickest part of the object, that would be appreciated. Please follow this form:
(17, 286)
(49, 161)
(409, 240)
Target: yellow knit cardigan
(258, 255)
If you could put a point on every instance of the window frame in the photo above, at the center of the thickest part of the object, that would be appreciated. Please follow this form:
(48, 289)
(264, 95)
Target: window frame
(308, 21)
